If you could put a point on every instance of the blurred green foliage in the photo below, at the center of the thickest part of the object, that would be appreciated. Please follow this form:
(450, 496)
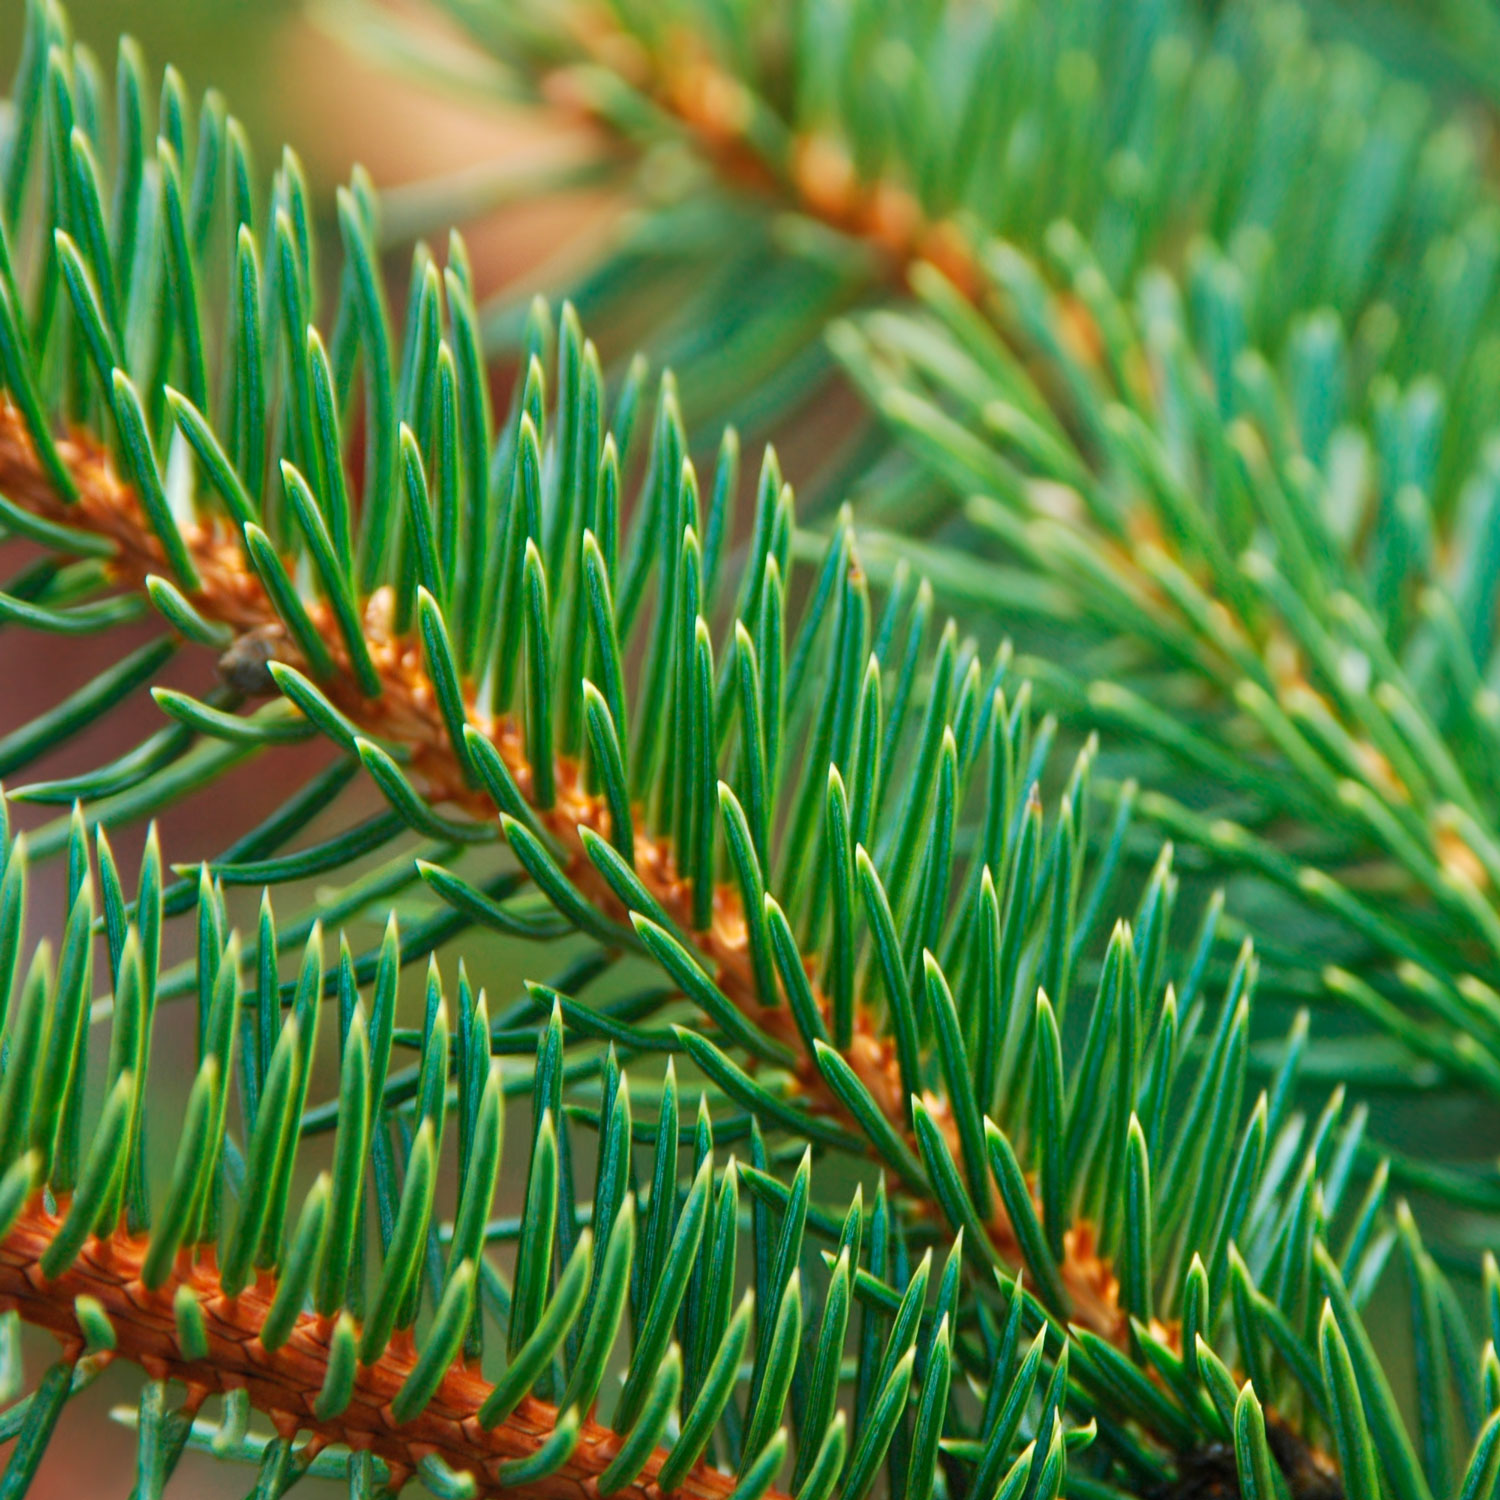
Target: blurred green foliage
(230, 45)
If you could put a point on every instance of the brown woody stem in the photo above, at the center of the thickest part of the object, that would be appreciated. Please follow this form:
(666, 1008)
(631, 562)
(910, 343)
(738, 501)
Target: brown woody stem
(817, 177)
(284, 1383)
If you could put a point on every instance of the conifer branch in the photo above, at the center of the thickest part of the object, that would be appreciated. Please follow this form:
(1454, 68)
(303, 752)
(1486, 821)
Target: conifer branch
(286, 1383)
(807, 172)
(406, 712)
(1239, 585)
(208, 1284)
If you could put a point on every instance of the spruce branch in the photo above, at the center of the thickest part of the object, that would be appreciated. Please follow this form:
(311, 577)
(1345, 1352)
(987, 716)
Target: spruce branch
(224, 1352)
(1358, 703)
(208, 1285)
(407, 711)
(739, 132)
(923, 135)
(205, 1284)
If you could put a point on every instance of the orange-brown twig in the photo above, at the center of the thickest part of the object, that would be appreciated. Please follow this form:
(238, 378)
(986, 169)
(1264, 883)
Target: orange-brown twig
(284, 1384)
(816, 177)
